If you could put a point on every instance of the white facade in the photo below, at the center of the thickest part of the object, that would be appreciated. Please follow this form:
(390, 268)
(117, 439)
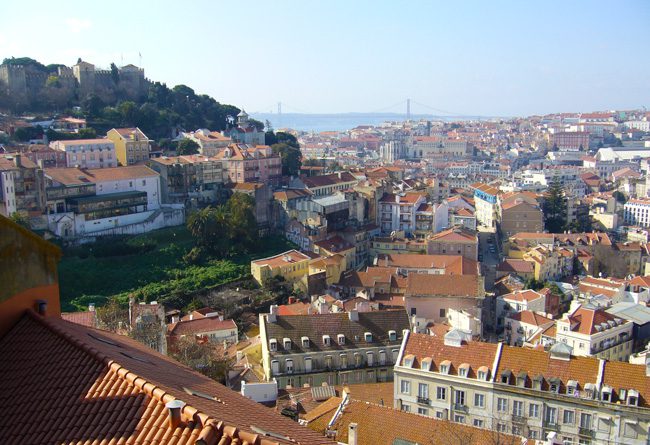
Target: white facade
(87, 153)
(148, 184)
(7, 193)
(636, 212)
(260, 392)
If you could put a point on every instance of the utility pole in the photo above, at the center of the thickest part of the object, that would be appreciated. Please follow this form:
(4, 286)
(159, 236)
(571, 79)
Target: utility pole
(408, 109)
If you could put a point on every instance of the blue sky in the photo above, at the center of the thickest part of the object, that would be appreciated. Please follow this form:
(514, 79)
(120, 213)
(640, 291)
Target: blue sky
(468, 57)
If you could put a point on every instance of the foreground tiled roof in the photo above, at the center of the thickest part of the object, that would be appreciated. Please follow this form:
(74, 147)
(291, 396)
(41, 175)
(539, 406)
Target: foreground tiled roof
(379, 425)
(65, 383)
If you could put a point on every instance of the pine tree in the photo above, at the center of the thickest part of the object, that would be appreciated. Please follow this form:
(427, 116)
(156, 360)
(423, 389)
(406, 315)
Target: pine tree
(555, 209)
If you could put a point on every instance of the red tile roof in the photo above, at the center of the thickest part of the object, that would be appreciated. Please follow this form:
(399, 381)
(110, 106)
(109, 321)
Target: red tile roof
(434, 285)
(452, 264)
(65, 383)
(85, 318)
(200, 326)
(530, 318)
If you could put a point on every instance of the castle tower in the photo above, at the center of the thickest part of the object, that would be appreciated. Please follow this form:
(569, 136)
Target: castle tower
(242, 119)
(85, 74)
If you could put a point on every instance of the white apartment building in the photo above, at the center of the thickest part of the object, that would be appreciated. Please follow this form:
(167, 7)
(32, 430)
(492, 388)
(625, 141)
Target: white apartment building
(522, 391)
(87, 153)
(636, 212)
(522, 327)
(397, 212)
(485, 201)
(593, 332)
(520, 300)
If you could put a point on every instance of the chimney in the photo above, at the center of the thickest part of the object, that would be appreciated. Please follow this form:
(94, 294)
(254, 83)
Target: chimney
(191, 317)
(240, 355)
(273, 314)
(352, 434)
(291, 300)
(91, 307)
(41, 307)
(174, 413)
(353, 315)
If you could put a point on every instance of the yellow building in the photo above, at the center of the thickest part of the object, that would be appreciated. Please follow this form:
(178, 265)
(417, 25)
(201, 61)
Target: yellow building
(333, 266)
(131, 145)
(292, 265)
(550, 263)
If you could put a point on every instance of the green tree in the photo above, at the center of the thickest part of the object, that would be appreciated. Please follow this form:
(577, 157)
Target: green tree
(287, 138)
(258, 125)
(187, 147)
(21, 220)
(291, 158)
(210, 229)
(242, 222)
(93, 106)
(128, 112)
(555, 209)
(24, 134)
(208, 358)
(619, 196)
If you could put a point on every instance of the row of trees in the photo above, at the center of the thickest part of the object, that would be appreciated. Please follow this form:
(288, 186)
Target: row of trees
(224, 230)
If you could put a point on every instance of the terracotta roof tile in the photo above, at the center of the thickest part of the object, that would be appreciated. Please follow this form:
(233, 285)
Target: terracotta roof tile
(382, 425)
(476, 354)
(65, 383)
(431, 285)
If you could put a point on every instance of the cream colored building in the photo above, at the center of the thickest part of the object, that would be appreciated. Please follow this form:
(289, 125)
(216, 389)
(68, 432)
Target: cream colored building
(592, 332)
(521, 391)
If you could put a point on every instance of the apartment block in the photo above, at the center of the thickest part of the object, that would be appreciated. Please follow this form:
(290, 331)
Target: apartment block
(333, 349)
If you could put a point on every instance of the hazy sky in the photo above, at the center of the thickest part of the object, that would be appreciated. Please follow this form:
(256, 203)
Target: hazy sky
(471, 57)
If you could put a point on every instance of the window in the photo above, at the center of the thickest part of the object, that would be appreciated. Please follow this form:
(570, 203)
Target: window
(423, 411)
(326, 340)
(289, 366)
(144, 182)
(341, 339)
(382, 357)
(441, 393)
(502, 405)
(287, 343)
(550, 415)
(423, 391)
(518, 408)
(462, 372)
(459, 419)
(585, 421)
(273, 345)
(328, 362)
(569, 417)
(406, 408)
(275, 367)
(482, 375)
(442, 313)
(368, 337)
(343, 361)
(405, 387)
(501, 427)
(371, 357)
(444, 368)
(629, 430)
(305, 342)
(392, 336)
(478, 423)
(357, 359)
(307, 364)
(479, 400)
(460, 397)
(533, 410)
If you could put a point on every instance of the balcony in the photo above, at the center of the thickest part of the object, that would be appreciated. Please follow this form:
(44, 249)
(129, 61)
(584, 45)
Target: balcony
(461, 407)
(424, 400)
(588, 432)
(518, 419)
(551, 425)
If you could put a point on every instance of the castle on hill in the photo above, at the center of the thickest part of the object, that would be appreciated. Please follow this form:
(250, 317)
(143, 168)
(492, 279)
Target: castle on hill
(27, 82)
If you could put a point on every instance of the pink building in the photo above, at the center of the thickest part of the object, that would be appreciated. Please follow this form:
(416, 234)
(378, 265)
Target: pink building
(245, 163)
